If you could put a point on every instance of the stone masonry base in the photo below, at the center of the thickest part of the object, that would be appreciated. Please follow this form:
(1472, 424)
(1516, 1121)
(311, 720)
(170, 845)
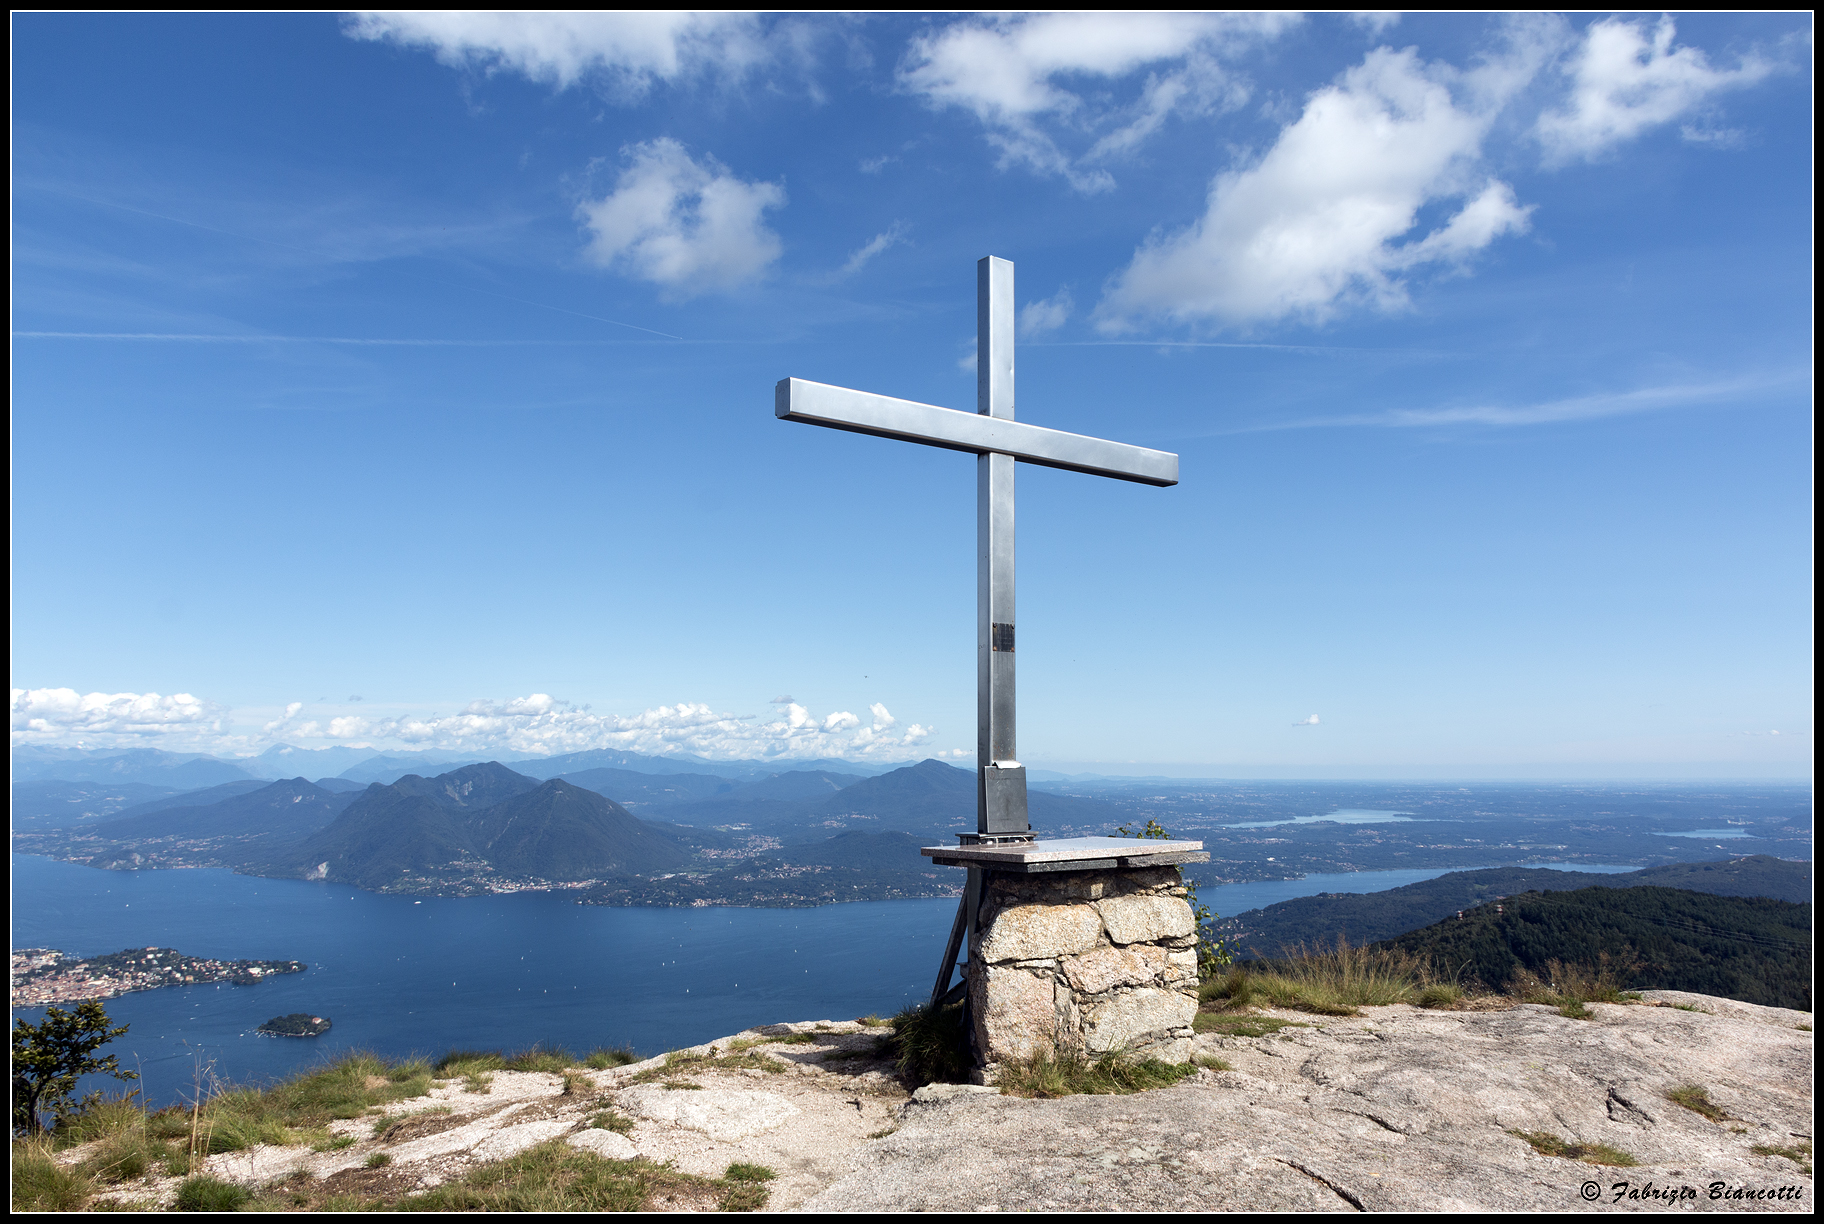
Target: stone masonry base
(1083, 963)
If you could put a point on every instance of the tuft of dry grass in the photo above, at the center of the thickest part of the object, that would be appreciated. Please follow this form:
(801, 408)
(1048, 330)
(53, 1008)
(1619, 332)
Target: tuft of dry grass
(1568, 987)
(1698, 1101)
(1333, 980)
(1798, 1153)
(1547, 1144)
(1066, 1074)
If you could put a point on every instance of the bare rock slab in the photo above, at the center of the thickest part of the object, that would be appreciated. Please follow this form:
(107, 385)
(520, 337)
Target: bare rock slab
(726, 1114)
(1395, 1110)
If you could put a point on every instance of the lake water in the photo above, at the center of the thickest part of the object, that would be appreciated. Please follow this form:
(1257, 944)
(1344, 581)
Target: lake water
(1229, 900)
(1340, 816)
(1706, 833)
(402, 976)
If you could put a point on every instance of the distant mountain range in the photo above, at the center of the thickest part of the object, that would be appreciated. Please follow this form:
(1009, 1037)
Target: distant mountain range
(802, 836)
(193, 770)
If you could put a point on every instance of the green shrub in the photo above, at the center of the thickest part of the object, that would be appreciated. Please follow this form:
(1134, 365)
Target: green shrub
(202, 1193)
(378, 1160)
(1569, 986)
(1440, 994)
(603, 1057)
(933, 1045)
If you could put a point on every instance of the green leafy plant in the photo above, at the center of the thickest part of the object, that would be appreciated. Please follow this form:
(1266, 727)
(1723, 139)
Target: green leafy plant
(50, 1056)
(603, 1057)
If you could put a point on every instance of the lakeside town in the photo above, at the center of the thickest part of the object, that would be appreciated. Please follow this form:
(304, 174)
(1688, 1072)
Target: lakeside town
(45, 976)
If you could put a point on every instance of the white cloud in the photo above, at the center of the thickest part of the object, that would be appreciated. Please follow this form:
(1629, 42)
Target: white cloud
(1036, 318)
(689, 227)
(541, 724)
(53, 715)
(1307, 722)
(537, 724)
(1011, 73)
(1574, 408)
(628, 50)
(892, 236)
(1318, 221)
(278, 724)
(1376, 21)
(1624, 80)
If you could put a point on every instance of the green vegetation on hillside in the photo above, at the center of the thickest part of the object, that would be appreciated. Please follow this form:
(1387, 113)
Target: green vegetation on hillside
(1749, 948)
(1368, 917)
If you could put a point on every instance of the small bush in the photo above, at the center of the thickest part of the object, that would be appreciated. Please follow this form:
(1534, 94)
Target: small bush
(378, 1160)
(1210, 1061)
(1698, 1101)
(795, 1039)
(873, 1021)
(1589, 1153)
(1059, 1075)
(1440, 994)
(202, 1193)
(334, 1144)
(603, 1057)
(933, 1046)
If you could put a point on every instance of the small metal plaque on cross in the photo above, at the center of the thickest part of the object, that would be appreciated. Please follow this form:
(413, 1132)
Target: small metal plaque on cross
(991, 434)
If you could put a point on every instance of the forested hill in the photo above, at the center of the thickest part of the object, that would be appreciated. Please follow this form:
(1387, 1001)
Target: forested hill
(1366, 917)
(1748, 948)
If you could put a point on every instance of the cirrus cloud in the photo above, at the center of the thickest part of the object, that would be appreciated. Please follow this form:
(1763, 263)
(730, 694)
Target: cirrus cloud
(628, 50)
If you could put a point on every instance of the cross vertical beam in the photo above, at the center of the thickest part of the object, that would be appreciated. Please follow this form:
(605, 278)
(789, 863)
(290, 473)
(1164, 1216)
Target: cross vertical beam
(1000, 780)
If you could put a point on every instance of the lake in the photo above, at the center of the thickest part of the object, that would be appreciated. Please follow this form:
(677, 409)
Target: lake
(1340, 816)
(400, 975)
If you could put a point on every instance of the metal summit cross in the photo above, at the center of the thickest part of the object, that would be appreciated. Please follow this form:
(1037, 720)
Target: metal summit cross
(991, 434)
(1003, 841)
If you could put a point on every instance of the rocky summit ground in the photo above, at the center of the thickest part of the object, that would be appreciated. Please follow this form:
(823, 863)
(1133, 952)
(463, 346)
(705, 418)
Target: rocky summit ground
(1396, 1109)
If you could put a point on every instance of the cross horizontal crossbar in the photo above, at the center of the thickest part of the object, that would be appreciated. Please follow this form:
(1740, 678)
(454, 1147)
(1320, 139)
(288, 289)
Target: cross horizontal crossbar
(795, 399)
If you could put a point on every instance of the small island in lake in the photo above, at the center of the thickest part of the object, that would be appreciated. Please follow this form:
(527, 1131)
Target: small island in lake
(298, 1024)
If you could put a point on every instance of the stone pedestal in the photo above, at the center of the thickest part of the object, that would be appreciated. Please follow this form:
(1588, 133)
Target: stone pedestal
(1084, 947)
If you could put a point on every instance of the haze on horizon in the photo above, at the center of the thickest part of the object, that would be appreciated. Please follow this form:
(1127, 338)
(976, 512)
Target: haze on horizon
(404, 381)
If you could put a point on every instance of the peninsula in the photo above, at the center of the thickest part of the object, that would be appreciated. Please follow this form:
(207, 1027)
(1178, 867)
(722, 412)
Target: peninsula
(44, 976)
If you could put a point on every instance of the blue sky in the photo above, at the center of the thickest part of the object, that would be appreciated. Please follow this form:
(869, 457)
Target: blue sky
(406, 380)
